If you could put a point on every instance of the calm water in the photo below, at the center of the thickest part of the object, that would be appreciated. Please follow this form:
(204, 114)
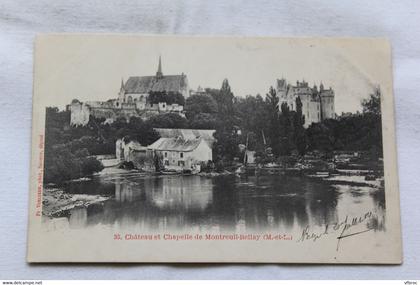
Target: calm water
(223, 203)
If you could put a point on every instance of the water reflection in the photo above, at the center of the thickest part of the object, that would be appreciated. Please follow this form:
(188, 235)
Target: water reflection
(223, 203)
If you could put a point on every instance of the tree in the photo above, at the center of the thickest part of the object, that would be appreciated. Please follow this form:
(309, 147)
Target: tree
(274, 134)
(200, 103)
(373, 104)
(169, 98)
(286, 130)
(225, 148)
(252, 115)
(353, 133)
(168, 120)
(204, 121)
(299, 130)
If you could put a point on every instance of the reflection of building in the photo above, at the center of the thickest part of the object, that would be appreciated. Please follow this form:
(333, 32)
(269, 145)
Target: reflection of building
(126, 191)
(249, 156)
(180, 193)
(134, 99)
(316, 105)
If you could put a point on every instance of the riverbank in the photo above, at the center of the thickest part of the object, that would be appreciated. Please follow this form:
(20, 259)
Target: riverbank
(56, 203)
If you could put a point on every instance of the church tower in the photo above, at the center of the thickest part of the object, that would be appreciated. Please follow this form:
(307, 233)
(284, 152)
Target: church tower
(121, 94)
(159, 73)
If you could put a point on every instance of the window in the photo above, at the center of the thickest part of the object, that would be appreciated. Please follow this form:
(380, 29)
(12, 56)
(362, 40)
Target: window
(166, 154)
(166, 162)
(181, 163)
(181, 154)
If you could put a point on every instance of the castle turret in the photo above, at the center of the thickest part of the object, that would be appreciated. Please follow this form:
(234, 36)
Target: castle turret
(327, 103)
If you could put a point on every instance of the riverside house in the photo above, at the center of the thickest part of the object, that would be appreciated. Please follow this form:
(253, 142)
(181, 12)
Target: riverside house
(182, 154)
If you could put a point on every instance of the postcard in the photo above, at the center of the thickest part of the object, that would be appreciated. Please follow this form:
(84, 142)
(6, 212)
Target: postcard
(176, 149)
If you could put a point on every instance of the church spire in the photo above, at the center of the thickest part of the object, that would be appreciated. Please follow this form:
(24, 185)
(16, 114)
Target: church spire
(159, 72)
(122, 84)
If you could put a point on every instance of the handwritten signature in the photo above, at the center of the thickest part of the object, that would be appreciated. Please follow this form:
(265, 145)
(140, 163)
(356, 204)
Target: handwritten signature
(344, 228)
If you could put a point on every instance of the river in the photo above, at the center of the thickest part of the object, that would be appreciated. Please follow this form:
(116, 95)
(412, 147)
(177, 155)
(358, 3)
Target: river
(224, 203)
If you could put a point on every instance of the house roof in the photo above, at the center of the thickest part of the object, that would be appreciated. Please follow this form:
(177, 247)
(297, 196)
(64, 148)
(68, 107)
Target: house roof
(145, 84)
(187, 134)
(175, 144)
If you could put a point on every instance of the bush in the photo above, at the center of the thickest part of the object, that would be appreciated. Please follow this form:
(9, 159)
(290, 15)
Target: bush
(91, 165)
(62, 165)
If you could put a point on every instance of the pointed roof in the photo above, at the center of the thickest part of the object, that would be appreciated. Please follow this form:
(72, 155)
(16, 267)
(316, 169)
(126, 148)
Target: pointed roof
(146, 84)
(187, 134)
(159, 71)
(156, 83)
(175, 144)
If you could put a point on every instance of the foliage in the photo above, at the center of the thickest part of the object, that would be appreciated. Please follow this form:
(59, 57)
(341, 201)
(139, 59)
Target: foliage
(199, 104)
(359, 132)
(274, 136)
(61, 164)
(225, 148)
(275, 132)
(68, 149)
(201, 111)
(167, 97)
(252, 117)
(137, 129)
(204, 121)
(373, 104)
(168, 120)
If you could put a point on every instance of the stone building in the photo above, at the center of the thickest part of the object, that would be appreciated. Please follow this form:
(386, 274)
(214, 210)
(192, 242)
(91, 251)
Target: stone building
(178, 149)
(134, 99)
(182, 154)
(317, 105)
(132, 151)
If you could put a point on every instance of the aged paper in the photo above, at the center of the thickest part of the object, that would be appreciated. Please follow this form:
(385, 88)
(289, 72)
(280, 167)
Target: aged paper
(213, 149)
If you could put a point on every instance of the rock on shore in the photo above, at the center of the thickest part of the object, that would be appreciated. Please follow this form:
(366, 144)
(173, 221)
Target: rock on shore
(56, 203)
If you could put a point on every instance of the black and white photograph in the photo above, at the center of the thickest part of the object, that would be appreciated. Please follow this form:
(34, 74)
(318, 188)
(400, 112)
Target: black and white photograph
(258, 143)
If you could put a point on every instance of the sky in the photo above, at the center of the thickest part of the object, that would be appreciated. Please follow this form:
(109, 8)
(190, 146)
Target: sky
(91, 67)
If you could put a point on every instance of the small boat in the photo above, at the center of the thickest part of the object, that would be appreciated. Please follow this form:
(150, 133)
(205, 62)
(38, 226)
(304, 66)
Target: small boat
(240, 170)
(190, 171)
(169, 172)
(322, 174)
(370, 177)
(271, 165)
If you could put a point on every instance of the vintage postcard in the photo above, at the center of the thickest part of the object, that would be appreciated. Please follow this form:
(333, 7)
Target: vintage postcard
(213, 149)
